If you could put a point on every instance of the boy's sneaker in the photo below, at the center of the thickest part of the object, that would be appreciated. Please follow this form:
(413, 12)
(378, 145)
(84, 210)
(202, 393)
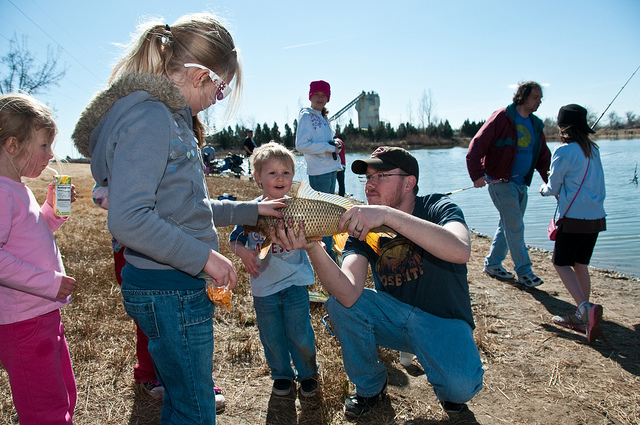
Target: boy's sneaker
(308, 387)
(356, 406)
(499, 273)
(281, 387)
(220, 400)
(153, 389)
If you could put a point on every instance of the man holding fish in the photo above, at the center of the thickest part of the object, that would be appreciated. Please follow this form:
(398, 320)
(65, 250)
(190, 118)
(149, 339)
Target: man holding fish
(420, 303)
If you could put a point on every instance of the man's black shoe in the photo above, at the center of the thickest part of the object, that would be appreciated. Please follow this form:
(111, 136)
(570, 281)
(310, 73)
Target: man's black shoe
(356, 406)
(451, 407)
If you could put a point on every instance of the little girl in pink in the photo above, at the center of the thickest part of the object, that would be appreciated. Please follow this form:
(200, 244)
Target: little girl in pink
(33, 283)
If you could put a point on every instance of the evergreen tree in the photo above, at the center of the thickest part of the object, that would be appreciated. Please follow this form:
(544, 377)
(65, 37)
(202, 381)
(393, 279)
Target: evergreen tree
(288, 139)
(275, 133)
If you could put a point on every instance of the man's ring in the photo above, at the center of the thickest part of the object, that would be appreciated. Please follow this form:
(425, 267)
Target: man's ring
(358, 231)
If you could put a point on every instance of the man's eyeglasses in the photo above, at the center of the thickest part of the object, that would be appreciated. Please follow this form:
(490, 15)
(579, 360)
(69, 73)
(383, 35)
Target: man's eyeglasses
(223, 88)
(379, 177)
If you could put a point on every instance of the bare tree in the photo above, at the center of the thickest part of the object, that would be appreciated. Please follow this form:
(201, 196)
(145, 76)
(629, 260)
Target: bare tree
(632, 119)
(21, 72)
(614, 120)
(427, 106)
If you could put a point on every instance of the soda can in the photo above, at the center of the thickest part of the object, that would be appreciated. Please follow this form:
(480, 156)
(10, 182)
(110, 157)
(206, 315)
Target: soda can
(62, 201)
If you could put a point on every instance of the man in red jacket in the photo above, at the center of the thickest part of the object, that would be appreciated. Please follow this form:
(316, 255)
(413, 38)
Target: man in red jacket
(505, 152)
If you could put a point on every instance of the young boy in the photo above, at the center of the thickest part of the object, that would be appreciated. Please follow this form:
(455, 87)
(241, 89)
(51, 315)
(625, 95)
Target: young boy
(279, 284)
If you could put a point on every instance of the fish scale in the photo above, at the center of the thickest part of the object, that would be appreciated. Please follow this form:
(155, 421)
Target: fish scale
(320, 213)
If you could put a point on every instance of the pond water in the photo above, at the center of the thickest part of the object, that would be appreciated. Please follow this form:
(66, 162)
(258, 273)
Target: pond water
(444, 170)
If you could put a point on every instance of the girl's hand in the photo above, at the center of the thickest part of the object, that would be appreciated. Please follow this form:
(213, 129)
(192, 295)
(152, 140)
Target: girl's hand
(66, 287)
(269, 207)
(221, 270)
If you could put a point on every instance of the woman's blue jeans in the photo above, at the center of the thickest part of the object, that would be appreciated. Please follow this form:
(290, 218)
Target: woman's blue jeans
(445, 347)
(179, 326)
(511, 201)
(286, 333)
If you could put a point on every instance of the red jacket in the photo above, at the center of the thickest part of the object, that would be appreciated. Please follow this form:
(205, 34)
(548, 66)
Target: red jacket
(493, 149)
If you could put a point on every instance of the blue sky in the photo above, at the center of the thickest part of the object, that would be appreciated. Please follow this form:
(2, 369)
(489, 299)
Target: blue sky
(468, 54)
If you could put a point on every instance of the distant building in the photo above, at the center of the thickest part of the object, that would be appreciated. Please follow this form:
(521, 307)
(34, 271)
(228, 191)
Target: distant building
(368, 107)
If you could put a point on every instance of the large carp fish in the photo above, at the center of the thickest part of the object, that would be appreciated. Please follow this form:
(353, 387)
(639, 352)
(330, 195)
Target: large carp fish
(320, 213)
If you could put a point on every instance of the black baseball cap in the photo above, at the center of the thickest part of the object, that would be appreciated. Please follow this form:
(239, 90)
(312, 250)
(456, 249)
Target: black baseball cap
(387, 158)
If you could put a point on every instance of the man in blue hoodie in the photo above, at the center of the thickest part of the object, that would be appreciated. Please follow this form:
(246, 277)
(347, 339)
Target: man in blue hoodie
(505, 152)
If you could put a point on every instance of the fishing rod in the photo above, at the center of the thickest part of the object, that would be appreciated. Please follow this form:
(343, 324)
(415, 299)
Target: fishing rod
(607, 108)
(471, 187)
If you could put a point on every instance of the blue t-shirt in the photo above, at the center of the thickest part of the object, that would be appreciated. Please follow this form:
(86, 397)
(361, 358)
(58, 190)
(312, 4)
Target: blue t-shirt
(413, 275)
(524, 156)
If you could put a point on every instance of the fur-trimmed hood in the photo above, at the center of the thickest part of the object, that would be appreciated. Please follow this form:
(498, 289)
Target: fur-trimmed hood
(157, 86)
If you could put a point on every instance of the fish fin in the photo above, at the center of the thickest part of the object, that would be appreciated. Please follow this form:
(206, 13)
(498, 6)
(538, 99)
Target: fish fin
(374, 236)
(339, 241)
(266, 246)
(373, 240)
(305, 191)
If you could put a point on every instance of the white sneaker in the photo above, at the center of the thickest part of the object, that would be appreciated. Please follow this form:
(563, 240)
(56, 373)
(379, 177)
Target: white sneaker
(220, 400)
(406, 359)
(153, 389)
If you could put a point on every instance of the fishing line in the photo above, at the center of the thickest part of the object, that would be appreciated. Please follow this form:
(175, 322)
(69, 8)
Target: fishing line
(471, 187)
(625, 84)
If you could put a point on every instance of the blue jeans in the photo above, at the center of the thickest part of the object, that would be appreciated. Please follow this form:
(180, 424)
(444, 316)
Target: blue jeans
(445, 347)
(286, 333)
(325, 183)
(511, 201)
(179, 326)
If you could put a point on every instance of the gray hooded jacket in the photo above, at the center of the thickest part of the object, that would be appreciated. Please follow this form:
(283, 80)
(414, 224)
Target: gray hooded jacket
(138, 134)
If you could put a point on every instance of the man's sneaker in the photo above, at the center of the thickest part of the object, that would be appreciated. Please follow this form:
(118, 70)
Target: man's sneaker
(308, 387)
(153, 389)
(571, 321)
(220, 400)
(356, 406)
(281, 387)
(499, 273)
(530, 280)
(592, 318)
(451, 407)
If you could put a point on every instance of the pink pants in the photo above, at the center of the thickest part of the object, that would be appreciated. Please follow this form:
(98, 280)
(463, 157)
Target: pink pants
(35, 354)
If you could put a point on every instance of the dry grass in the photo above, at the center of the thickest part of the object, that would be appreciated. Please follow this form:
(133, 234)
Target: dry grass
(536, 373)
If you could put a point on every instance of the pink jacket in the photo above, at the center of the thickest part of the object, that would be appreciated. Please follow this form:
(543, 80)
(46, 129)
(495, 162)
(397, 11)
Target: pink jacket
(31, 267)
